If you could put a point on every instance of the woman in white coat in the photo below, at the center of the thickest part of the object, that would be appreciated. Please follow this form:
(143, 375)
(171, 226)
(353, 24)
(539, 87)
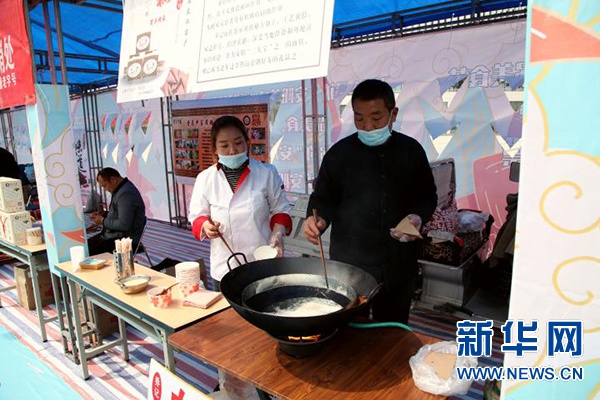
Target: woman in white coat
(239, 198)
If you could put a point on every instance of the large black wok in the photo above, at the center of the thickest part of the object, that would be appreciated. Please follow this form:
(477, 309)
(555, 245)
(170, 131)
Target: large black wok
(253, 287)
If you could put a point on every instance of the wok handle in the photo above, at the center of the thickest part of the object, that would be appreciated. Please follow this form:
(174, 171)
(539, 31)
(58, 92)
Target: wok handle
(374, 291)
(234, 255)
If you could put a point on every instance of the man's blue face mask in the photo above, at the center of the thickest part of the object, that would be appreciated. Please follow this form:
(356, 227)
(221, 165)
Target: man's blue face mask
(375, 137)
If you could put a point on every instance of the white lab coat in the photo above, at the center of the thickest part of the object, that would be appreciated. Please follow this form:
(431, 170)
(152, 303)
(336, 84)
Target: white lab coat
(244, 216)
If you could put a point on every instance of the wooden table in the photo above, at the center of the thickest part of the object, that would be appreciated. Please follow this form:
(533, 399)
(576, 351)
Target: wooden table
(98, 286)
(355, 364)
(35, 257)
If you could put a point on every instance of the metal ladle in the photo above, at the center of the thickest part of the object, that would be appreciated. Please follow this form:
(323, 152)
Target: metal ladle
(353, 302)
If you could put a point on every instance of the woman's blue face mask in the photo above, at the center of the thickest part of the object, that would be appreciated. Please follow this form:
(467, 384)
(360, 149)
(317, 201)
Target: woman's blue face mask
(233, 161)
(375, 137)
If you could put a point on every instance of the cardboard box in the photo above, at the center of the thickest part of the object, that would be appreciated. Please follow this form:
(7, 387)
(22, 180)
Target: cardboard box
(13, 227)
(11, 195)
(25, 287)
(106, 323)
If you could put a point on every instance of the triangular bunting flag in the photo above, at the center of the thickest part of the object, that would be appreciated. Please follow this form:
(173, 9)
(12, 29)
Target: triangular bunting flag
(146, 122)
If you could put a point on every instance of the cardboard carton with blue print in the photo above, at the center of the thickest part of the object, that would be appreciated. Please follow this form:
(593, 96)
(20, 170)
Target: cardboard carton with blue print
(13, 227)
(11, 195)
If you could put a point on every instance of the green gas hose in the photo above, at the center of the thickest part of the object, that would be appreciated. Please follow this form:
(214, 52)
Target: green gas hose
(369, 325)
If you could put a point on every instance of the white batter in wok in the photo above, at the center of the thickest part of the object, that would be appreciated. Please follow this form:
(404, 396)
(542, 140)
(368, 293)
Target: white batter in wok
(305, 307)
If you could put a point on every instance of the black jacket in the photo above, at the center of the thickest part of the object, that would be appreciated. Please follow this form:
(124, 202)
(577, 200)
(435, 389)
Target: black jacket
(365, 191)
(8, 165)
(126, 214)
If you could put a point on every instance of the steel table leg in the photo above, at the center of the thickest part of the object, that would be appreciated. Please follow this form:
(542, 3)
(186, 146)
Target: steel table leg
(33, 272)
(78, 332)
(68, 334)
(168, 351)
(123, 334)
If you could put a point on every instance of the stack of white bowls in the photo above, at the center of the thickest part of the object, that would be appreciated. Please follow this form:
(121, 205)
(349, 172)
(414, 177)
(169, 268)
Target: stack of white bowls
(188, 275)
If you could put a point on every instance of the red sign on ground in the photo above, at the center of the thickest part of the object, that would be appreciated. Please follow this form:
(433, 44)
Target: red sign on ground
(16, 77)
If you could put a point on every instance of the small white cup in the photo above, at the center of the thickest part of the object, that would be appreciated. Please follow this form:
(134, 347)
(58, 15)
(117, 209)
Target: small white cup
(77, 256)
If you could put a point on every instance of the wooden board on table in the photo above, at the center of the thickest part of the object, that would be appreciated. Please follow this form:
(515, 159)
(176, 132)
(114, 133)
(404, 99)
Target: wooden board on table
(93, 263)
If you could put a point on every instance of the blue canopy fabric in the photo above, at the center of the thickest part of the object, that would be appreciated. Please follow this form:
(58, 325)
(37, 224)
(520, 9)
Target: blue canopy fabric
(92, 30)
(88, 33)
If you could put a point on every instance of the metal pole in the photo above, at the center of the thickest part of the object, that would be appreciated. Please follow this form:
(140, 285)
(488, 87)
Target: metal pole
(314, 98)
(163, 125)
(304, 144)
(11, 135)
(89, 139)
(170, 180)
(92, 137)
(48, 30)
(30, 36)
(97, 141)
(7, 131)
(87, 134)
(4, 129)
(325, 98)
(59, 37)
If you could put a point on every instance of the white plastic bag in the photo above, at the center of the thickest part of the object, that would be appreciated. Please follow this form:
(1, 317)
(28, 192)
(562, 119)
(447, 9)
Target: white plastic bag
(427, 380)
(472, 221)
(233, 388)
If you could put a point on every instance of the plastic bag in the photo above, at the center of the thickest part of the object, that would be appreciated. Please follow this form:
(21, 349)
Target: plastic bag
(472, 221)
(427, 380)
(233, 388)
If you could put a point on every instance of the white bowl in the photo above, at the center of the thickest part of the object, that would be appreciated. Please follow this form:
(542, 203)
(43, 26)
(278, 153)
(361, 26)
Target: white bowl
(264, 253)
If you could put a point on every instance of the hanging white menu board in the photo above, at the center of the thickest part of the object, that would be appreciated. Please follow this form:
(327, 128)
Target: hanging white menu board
(174, 47)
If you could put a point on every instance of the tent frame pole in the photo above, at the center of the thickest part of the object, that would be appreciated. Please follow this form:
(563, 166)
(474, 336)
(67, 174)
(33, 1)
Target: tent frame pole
(170, 179)
(59, 37)
(48, 30)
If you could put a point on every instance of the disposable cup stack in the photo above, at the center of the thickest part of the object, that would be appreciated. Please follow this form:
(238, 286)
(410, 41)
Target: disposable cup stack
(77, 256)
(188, 275)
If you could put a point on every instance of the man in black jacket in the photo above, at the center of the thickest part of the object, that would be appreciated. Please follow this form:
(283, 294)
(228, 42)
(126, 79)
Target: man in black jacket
(367, 183)
(126, 214)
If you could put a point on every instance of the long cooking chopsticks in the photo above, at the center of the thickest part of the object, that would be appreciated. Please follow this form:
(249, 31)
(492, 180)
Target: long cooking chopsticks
(225, 242)
(315, 216)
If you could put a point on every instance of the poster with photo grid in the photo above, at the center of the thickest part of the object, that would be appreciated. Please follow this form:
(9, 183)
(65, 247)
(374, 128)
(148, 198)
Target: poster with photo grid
(192, 151)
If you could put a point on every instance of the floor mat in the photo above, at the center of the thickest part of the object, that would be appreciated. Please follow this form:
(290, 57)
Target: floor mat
(18, 361)
(112, 378)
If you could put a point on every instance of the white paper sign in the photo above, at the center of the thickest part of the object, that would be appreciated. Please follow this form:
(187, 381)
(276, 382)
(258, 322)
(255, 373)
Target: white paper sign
(164, 385)
(178, 47)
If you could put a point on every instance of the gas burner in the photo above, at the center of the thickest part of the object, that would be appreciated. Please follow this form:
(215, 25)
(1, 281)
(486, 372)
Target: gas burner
(303, 346)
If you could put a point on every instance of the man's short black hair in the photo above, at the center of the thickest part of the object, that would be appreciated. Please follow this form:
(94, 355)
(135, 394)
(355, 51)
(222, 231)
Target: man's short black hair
(107, 173)
(372, 89)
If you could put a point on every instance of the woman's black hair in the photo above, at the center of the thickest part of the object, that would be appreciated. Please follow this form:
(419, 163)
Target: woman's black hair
(224, 122)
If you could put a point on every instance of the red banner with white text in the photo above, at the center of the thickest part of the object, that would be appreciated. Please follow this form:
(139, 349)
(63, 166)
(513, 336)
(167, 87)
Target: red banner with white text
(16, 77)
